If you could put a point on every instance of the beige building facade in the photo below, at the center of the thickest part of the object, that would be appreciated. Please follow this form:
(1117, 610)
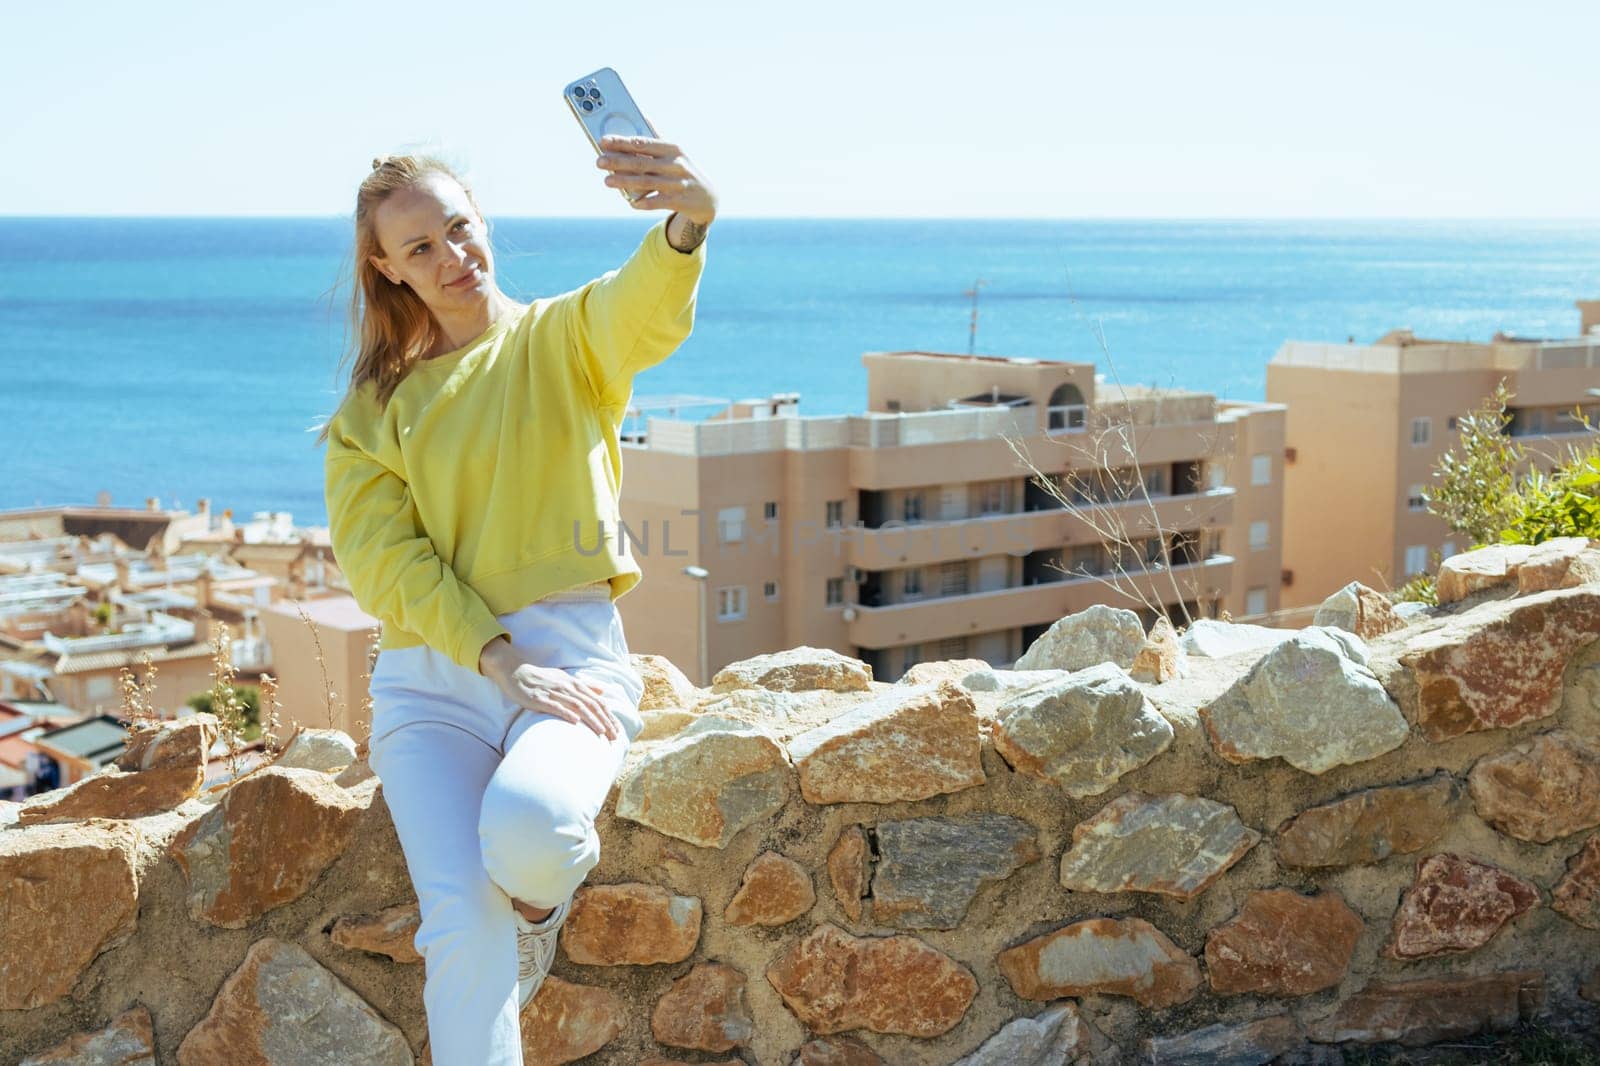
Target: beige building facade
(918, 530)
(340, 634)
(1367, 424)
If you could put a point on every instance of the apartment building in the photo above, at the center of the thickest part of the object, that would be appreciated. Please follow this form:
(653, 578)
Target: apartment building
(1367, 424)
(917, 530)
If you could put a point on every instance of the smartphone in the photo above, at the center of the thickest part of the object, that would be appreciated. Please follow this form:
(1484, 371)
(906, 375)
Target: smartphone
(602, 106)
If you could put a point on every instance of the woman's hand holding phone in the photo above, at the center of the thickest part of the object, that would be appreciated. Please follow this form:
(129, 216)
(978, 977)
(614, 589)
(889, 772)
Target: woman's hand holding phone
(660, 177)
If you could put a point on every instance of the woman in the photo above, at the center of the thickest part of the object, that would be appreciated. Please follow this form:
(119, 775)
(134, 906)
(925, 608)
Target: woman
(477, 441)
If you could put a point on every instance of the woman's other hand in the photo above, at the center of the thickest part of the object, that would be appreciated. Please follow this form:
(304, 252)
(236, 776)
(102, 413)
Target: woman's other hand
(660, 176)
(547, 689)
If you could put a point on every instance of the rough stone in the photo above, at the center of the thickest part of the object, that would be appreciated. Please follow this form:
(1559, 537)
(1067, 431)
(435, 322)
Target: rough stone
(929, 869)
(1161, 658)
(704, 1010)
(630, 925)
(1283, 944)
(1208, 638)
(1173, 845)
(1360, 610)
(1415, 1013)
(391, 932)
(1559, 563)
(834, 982)
(1057, 1037)
(1084, 732)
(796, 670)
(1542, 789)
(1456, 904)
(943, 670)
(1103, 956)
(267, 841)
(849, 870)
(354, 774)
(988, 679)
(1590, 989)
(565, 1022)
(837, 1051)
(1312, 701)
(663, 723)
(1251, 1044)
(67, 893)
(9, 811)
(130, 1040)
(282, 1008)
(665, 686)
(328, 750)
(163, 765)
(1462, 575)
(1501, 663)
(1098, 634)
(659, 1060)
(774, 890)
(707, 783)
(1371, 825)
(1577, 895)
(903, 745)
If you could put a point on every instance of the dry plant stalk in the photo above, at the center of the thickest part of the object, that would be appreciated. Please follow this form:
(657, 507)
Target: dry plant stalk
(138, 695)
(225, 702)
(366, 701)
(271, 714)
(322, 664)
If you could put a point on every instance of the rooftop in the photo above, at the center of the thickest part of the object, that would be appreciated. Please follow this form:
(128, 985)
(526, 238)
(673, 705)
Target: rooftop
(98, 740)
(335, 612)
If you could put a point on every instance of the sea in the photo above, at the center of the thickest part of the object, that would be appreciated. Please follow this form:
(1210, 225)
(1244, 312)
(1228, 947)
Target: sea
(191, 357)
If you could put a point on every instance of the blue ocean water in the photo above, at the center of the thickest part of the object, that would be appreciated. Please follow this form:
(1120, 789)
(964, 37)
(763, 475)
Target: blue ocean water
(183, 358)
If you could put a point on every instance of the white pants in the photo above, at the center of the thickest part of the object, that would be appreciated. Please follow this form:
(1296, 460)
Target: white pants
(495, 802)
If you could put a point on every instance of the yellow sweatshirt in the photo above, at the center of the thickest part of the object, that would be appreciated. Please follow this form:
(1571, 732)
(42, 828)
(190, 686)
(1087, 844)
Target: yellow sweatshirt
(490, 480)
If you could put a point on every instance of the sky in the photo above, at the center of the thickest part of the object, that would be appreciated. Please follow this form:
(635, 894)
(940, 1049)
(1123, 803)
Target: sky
(870, 108)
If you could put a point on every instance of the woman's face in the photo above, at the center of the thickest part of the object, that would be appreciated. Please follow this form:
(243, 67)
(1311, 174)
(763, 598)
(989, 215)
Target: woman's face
(433, 241)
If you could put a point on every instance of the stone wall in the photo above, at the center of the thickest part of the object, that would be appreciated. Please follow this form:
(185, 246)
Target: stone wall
(1231, 845)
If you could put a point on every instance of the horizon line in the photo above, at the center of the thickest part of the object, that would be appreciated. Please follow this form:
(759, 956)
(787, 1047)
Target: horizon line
(159, 216)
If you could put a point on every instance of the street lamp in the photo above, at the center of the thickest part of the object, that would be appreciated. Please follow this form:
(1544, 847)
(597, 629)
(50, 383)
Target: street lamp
(699, 573)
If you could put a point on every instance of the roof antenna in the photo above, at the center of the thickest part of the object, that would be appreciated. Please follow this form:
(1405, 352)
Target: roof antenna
(972, 330)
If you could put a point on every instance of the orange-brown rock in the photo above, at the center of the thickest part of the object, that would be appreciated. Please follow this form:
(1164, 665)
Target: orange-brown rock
(1545, 788)
(664, 684)
(128, 1041)
(906, 744)
(1161, 658)
(658, 1060)
(704, 1010)
(1371, 825)
(797, 669)
(707, 782)
(1054, 1037)
(564, 1022)
(1456, 904)
(1489, 567)
(1577, 895)
(1357, 609)
(1414, 1013)
(849, 870)
(163, 765)
(392, 932)
(834, 982)
(1103, 956)
(775, 890)
(1283, 944)
(281, 1006)
(630, 925)
(67, 893)
(267, 841)
(837, 1051)
(1501, 663)
(1559, 563)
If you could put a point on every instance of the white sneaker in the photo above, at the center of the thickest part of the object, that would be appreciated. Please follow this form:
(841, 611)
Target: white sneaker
(536, 949)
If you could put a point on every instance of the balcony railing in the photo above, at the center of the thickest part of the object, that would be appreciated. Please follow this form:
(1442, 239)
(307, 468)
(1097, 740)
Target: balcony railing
(738, 436)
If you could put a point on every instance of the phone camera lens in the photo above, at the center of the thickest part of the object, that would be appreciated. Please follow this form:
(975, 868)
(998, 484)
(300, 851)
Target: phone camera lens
(578, 92)
(588, 105)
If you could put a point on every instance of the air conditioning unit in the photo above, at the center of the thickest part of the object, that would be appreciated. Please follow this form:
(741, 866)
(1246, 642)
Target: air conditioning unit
(1288, 455)
(1287, 578)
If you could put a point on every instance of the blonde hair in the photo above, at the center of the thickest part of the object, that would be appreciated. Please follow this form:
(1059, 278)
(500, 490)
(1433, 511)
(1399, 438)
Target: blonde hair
(390, 326)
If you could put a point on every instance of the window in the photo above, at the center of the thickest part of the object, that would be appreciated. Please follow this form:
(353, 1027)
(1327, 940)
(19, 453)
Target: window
(1155, 482)
(1258, 536)
(1261, 470)
(1216, 474)
(1255, 601)
(1421, 430)
(1450, 423)
(835, 514)
(991, 497)
(1449, 549)
(1416, 559)
(953, 579)
(835, 593)
(1085, 559)
(769, 591)
(911, 582)
(909, 657)
(769, 510)
(1414, 500)
(952, 648)
(730, 603)
(911, 507)
(730, 525)
(100, 688)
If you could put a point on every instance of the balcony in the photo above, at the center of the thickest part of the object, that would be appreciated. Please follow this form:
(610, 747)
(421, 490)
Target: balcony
(922, 543)
(938, 617)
